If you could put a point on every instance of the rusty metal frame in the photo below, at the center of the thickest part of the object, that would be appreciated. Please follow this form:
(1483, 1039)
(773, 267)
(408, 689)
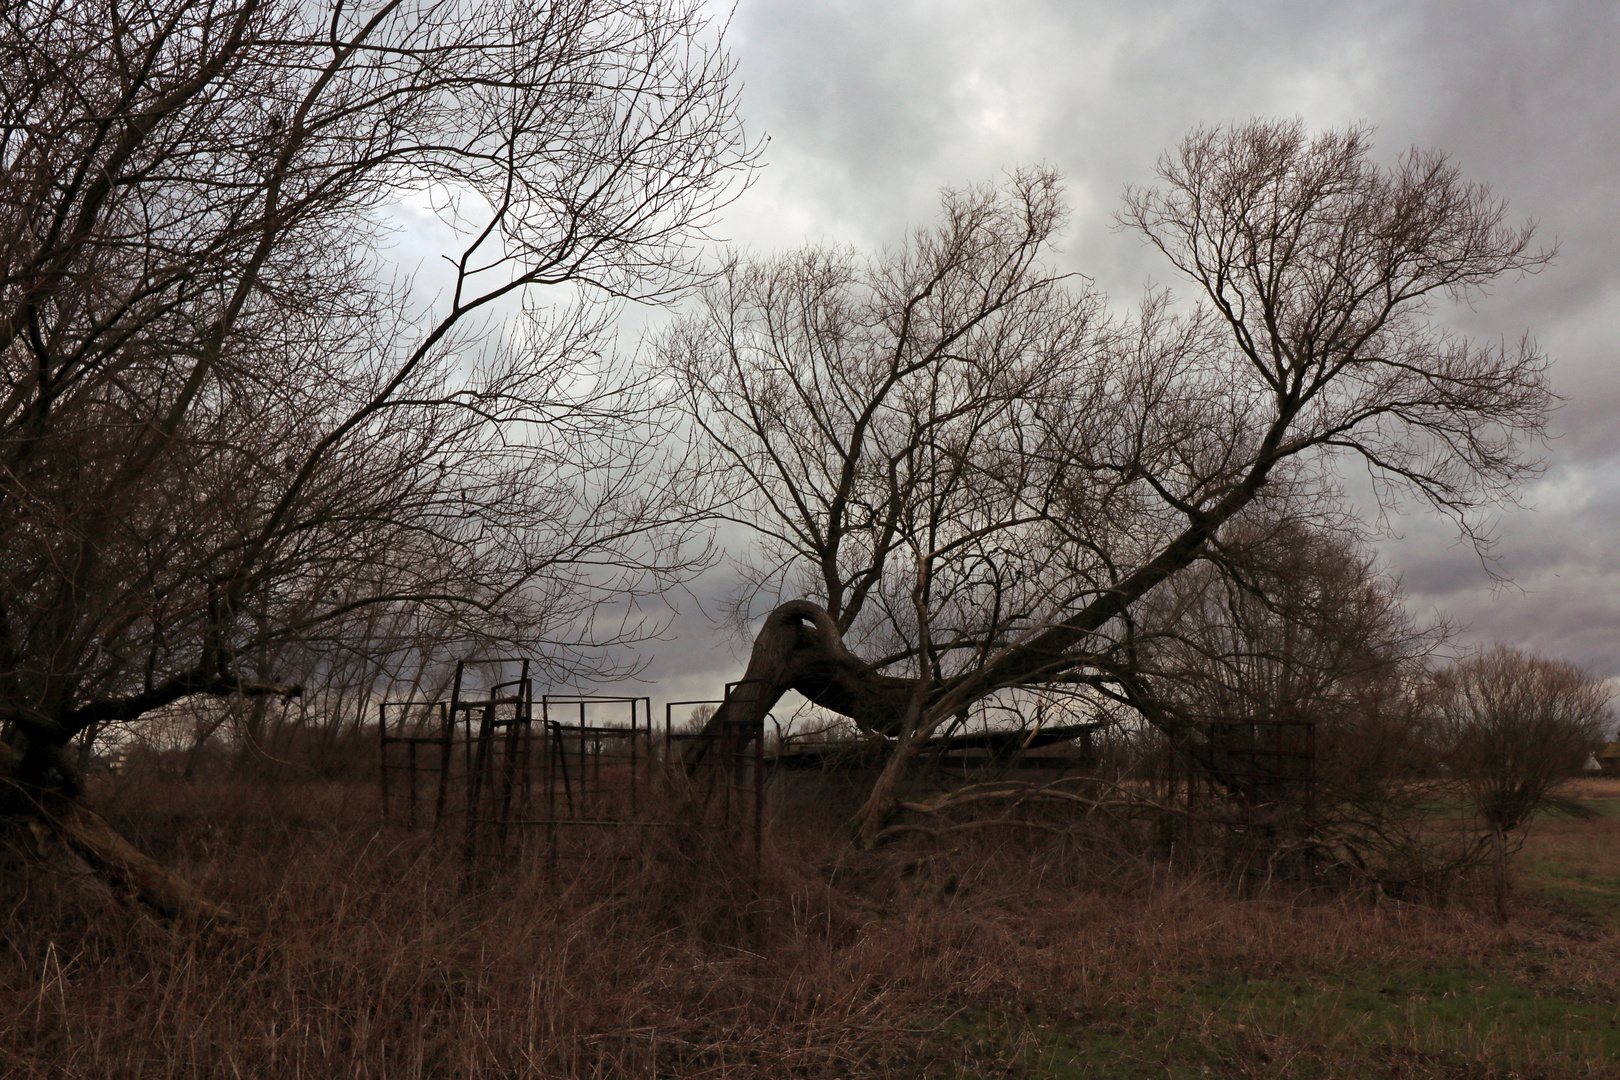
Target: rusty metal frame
(738, 749)
(412, 766)
(531, 762)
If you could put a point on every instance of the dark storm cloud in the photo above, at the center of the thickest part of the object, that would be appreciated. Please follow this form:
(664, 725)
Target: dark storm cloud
(872, 108)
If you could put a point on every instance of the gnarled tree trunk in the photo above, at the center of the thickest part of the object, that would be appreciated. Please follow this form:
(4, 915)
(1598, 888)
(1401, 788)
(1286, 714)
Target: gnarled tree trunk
(39, 786)
(800, 648)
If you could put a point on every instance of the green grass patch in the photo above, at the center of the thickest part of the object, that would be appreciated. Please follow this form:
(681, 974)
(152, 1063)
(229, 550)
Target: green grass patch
(1593, 895)
(1425, 1020)
(1497, 1012)
(1575, 864)
(1606, 807)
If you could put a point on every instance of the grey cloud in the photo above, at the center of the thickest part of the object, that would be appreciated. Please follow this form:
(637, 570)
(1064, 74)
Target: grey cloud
(874, 107)
(1563, 593)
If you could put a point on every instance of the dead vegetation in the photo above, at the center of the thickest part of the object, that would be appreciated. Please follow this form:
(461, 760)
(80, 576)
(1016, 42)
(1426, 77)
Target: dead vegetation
(381, 954)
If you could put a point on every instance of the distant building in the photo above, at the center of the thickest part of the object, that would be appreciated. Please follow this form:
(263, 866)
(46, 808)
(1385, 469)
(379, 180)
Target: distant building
(1610, 759)
(107, 764)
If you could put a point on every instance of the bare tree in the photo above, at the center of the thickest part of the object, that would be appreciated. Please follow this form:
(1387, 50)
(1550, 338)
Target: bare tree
(228, 425)
(1512, 727)
(1312, 346)
(868, 410)
(1282, 622)
(1288, 637)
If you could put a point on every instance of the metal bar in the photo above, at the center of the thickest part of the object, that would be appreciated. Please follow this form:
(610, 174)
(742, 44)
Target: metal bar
(475, 780)
(447, 731)
(410, 757)
(562, 760)
(759, 793)
(526, 765)
(552, 750)
(455, 703)
(382, 754)
(508, 777)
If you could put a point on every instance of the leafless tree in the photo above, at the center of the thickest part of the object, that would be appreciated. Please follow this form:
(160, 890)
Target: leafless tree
(228, 424)
(1312, 347)
(867, 410)
(1280, 621)
(1512, 727)
(1289, 638)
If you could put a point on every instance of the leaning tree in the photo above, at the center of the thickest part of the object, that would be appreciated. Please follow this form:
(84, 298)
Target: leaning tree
(233, 426)
(974, 478)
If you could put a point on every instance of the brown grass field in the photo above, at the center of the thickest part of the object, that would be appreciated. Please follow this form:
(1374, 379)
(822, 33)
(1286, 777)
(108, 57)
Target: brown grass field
(376, 953)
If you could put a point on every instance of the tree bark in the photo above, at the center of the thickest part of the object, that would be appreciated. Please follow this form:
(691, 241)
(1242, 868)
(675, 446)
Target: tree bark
(883, 799)
(95, 841)
(800, 648)
(39, 785)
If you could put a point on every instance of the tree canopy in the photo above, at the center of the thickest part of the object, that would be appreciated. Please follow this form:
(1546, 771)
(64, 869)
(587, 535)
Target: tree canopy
(955, 443)
(231, 433)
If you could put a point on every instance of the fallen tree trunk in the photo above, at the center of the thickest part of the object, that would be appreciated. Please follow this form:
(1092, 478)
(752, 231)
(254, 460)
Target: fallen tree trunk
(116, 860)
(42, 791)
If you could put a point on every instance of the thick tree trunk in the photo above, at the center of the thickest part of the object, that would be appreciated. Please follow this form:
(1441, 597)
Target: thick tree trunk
(800, 648)
(884, 796)
(90, 837)
(199, 742)
(39, 785)
(251, 757)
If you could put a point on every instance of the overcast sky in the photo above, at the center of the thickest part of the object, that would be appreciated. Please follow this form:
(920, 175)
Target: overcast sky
(871, 108)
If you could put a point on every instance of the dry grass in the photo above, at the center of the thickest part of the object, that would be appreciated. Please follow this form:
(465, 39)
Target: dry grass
(377, 954)
(1591, 787)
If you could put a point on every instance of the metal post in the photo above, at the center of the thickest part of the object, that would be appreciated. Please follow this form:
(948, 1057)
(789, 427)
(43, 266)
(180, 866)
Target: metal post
(382, 754)
(450, 732)
(447, 734)
(553, 750)
(475, 781)
(526, 756)
(562, 761)
(727, 763)
(759, 791)
(410, 758)
(508, 765)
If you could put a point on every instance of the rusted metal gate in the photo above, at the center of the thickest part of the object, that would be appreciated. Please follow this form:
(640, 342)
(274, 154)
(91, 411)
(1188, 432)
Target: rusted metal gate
(513, 769)
(722, 766)
(415, 738)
